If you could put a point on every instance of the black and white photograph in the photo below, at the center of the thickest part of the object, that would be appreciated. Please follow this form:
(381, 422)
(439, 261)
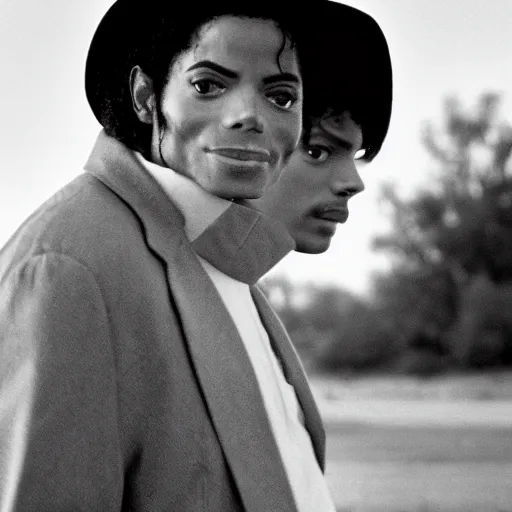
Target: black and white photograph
(256, 256)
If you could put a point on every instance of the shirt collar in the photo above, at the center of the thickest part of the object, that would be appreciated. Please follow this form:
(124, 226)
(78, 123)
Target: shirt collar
(199, 208)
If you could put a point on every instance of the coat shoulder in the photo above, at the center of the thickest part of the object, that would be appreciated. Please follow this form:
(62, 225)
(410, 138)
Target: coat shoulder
(84, 220)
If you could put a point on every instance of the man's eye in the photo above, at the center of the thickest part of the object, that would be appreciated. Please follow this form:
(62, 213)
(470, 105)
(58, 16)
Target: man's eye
(208, 87)
(317, 153)
(284, 100)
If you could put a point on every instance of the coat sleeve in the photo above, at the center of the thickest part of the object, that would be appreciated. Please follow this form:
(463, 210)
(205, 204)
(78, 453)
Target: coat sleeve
(59, 439)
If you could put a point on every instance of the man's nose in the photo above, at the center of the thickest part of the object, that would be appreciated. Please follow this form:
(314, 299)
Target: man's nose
(347, 180)
(243, 112)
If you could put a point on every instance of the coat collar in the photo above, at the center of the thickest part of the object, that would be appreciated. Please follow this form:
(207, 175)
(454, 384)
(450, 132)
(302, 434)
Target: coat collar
(243, 243)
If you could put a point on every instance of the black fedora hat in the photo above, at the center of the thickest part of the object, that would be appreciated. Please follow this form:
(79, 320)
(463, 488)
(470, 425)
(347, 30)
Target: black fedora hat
(128, 35)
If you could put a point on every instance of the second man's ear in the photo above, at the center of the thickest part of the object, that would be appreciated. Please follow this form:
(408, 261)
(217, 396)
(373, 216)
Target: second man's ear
(143, 96)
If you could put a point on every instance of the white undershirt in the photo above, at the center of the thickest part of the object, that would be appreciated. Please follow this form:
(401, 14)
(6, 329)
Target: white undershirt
(200, 209)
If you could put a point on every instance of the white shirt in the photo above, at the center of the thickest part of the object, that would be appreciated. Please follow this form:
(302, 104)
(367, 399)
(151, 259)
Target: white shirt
(200, 209)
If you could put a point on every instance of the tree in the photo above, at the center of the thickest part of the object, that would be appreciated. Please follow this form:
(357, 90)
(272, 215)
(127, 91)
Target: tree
(452, 232)
(330, 327)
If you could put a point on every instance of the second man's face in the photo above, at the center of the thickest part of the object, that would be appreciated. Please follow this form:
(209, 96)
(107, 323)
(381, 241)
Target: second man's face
(312, 193)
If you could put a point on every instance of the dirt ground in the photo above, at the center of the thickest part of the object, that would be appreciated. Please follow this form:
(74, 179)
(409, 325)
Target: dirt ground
(400, 445)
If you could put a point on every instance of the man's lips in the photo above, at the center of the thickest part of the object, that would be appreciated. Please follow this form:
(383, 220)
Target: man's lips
(339, 214)
(242, 154)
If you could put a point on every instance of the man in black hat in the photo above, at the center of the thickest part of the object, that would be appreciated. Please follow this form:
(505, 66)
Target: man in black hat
(348, 106)
(140, 369)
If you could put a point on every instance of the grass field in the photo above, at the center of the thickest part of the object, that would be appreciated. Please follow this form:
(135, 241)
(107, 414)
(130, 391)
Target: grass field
(456, 462)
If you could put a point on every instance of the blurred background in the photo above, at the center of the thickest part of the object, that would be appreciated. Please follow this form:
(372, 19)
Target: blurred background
(405, 324)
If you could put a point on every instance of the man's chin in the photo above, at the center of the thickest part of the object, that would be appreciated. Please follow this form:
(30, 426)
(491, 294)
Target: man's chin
(312, 245)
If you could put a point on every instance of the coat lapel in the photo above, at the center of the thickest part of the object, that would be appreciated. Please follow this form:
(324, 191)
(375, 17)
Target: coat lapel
(222, 365)
(294, 373)
(231, 389)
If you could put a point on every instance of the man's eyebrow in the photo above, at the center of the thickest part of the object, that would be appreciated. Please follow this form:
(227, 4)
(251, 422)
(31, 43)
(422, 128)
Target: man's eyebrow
(347, 144)
(281, 77)
(337, 137)
(228, 73)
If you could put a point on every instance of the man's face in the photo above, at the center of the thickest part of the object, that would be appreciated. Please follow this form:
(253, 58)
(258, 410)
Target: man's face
(311, 194)
(233, 113)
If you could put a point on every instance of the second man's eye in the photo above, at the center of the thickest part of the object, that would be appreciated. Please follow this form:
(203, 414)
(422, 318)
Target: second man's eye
(317, 153)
